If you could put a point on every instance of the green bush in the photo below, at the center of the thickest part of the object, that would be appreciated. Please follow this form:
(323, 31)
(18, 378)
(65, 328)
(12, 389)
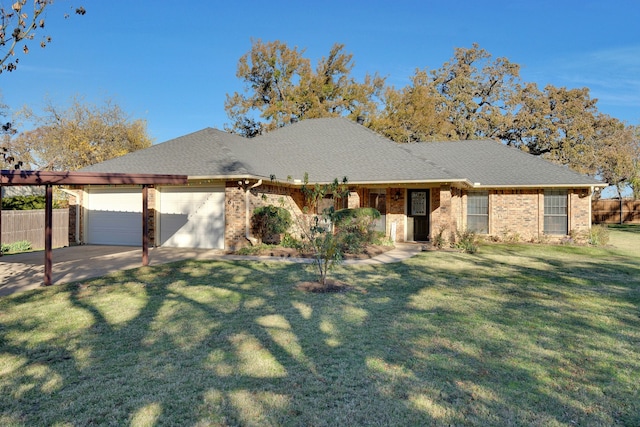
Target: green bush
(380, 238)
(16, 247)
(288, 241)
(253, 250)
(270, 221)
(21, 203)
(355, 228)
(25, 203)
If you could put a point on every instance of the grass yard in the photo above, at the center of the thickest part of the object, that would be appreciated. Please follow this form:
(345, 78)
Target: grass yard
(512, 335)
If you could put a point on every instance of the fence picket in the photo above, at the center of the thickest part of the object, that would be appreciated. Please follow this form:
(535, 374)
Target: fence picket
(29, 225)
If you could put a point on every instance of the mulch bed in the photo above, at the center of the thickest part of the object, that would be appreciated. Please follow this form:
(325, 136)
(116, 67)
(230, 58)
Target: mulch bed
(369, 252)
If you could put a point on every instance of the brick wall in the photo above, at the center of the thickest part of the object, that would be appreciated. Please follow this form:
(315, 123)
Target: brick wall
(442, 214)
(74, 208)
(579, 210)
(520, 213)
(263, 195)
(516, 212)
(234, 215)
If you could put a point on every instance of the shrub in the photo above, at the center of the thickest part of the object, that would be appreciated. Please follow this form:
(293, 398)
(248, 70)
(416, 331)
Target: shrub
(19, 203)
(288, 241)
(598, 235)
(269, 221)
(253, 250)
(355, 228)
(382, 239)
(467, 241)
(439, 240)
(24, 203)
(15, 247)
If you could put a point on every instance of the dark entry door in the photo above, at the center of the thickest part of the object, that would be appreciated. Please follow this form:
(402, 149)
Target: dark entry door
(418, 209)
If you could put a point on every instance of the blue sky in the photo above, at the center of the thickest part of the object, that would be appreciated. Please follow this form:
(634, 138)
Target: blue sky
(172, 62)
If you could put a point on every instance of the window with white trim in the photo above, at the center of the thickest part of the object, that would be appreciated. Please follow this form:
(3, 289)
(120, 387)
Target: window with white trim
(478, 211)
(555, 212)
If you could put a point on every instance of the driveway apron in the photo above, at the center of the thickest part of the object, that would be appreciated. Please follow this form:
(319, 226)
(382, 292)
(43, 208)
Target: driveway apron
(25, 271)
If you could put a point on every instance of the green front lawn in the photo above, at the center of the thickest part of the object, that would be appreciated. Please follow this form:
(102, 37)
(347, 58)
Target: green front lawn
(512, 335)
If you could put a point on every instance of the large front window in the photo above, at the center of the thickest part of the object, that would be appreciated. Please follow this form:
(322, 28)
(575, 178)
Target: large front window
(555, 212)
(478, 211)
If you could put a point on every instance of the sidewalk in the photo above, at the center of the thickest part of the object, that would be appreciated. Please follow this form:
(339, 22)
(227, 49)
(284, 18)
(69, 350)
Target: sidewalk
(22, 272)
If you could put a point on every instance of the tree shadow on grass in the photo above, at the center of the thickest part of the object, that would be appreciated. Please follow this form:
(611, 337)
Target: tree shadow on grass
(233, 343)
(210, 345)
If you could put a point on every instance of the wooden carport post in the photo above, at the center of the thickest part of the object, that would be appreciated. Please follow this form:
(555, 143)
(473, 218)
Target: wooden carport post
(145, 225)
(48, 233)
(0, 218)
(49, 178)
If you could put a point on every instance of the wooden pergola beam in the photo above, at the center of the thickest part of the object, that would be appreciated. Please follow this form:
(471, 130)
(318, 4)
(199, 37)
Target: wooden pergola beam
(19, 177)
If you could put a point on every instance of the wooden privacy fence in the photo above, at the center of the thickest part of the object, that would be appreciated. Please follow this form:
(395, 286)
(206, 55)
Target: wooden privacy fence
(608, 212)
(29, 225)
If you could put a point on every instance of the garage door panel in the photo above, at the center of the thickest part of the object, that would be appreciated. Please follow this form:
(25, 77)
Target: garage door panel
(114, 216)
(115, 228)
(192, 217)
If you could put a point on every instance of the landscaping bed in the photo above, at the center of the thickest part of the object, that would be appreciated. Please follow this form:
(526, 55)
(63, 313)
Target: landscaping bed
(369, 251)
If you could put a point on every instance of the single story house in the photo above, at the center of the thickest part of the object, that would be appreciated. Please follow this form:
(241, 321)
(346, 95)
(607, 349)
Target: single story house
(421, 189)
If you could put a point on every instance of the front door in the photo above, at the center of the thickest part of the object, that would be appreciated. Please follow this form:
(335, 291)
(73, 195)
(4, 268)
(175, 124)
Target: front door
(418, 210)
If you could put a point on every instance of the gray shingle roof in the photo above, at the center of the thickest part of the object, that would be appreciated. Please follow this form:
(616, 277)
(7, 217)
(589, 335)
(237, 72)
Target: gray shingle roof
(492, 163)
(331, 148)
(202, 153)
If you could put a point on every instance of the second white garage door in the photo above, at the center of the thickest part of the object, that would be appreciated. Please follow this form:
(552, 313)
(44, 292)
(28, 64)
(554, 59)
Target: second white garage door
(192, 217)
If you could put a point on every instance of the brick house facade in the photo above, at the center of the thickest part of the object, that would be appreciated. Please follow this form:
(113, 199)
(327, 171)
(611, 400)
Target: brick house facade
(421, 189)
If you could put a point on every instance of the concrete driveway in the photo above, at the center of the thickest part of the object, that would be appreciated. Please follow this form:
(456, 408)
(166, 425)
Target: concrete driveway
(22, 272)
(25, 271)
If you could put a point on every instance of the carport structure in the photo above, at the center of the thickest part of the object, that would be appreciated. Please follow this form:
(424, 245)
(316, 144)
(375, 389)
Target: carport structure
(48, 179)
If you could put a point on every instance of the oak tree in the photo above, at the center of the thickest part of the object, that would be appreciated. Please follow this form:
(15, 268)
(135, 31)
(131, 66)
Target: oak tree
(281, 87)
(475, 93)
(411, 114)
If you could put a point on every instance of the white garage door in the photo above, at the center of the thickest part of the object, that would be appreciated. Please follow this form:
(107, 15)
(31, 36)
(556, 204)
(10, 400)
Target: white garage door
(114, 216)
(192, 217)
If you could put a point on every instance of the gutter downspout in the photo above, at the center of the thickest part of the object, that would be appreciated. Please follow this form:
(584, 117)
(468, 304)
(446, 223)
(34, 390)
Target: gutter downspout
(247, 216)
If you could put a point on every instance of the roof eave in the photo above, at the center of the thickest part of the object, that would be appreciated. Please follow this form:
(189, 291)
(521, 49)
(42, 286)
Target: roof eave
(560, 185)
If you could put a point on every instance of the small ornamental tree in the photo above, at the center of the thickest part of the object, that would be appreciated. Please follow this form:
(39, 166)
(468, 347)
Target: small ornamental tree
(316, 226)
(320, 240)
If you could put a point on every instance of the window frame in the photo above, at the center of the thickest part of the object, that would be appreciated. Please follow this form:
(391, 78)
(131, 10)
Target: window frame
(556, 212)
(480, 212)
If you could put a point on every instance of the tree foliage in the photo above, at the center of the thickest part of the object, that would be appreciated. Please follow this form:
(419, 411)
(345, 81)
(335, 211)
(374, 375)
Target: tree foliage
(467, 98)
(474, 92)
(80, 135)
(281, 87)
(564, 126)
(18, 26)
(411, 114)
(471, 96)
